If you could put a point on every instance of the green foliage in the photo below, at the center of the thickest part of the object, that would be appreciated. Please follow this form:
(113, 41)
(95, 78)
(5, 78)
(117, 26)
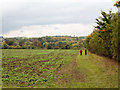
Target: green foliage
(104, 40)
(103, 20)
(48, 42)
(9, 41)
(49, 46)
(5, 46)
(117, 4)
(114, 34)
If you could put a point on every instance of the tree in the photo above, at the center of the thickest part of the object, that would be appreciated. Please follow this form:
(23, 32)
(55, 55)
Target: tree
(9, 42)
(49, 46)
(67, 47)
(21, 43)
(114, 35)
(5, 46)
(103, 20)
(103, 40)
(117, 4)
(37, 44)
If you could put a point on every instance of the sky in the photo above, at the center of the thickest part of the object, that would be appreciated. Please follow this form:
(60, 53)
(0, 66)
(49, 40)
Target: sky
(37, 18)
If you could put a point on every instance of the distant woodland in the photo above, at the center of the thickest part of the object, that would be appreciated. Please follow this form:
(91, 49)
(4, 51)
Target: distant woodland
(48, 42)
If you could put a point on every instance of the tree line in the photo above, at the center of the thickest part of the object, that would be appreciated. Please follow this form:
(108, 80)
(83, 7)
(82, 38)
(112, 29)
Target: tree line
(104, 39)
(48, 42)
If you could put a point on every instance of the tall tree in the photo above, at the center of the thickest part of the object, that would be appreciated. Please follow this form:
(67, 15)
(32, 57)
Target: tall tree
(103, 20)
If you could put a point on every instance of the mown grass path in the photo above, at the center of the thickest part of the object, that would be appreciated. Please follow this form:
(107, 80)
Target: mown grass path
(97, 72)
(57, 69)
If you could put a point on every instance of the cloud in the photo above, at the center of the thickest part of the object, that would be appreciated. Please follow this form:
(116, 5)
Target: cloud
(51, 30)
(20, 13)
(17, 14)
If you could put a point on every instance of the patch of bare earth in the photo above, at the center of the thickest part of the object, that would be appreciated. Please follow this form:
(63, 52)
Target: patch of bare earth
(67, 73)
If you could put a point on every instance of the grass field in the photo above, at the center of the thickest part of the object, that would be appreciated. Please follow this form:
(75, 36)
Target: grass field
(57, 69)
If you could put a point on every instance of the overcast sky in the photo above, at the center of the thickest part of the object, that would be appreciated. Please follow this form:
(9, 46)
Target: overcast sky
(36, 18)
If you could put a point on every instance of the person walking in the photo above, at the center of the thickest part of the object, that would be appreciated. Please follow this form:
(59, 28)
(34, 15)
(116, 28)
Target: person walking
(80, 52)
(85, 51)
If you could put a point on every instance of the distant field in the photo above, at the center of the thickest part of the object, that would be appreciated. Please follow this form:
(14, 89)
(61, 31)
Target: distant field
(57, 68)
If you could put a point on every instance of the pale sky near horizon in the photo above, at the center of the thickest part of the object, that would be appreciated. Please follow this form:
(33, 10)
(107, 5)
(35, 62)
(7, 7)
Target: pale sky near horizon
(36, 18)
